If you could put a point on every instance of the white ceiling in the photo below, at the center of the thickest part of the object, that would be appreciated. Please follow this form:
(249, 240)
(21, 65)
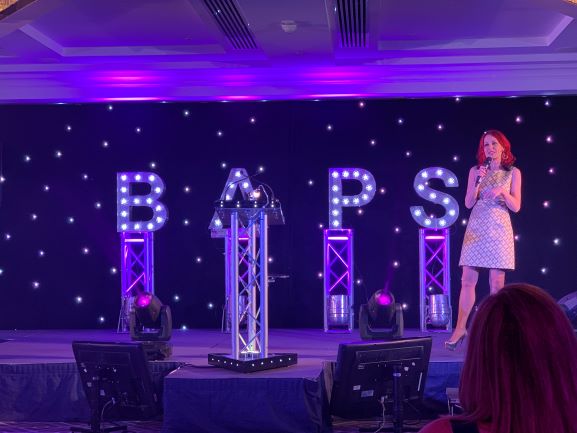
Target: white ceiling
(105, 50)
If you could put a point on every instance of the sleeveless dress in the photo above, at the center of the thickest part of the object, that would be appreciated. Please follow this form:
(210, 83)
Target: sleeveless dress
(489, 241)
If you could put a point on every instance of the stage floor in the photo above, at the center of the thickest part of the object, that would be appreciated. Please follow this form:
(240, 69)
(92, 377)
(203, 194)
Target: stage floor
(192, 346)
(40, 383)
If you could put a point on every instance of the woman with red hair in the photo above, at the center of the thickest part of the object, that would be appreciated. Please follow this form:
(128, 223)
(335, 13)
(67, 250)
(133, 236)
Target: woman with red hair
(493, 188)
(519, 372)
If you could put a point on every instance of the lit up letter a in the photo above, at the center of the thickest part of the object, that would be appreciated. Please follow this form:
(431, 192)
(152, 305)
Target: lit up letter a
(125, 201)
(238, 178)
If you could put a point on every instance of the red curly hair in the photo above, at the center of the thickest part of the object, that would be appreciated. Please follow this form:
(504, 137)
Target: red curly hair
(507, 157)
(519, 372)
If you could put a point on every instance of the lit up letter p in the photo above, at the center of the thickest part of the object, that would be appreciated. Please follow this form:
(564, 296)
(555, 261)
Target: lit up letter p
(336, 198)
(127, 200)
(338, 247)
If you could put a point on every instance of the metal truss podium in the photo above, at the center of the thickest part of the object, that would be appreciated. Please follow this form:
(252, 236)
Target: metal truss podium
(247, 275)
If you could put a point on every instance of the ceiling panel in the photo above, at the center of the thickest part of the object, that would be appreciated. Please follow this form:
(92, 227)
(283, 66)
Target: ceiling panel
(97, 50)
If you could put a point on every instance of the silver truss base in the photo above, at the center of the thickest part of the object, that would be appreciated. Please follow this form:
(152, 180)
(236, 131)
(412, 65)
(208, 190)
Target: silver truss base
(250, 364)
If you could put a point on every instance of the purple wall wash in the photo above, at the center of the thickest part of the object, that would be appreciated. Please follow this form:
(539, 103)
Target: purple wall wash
(58, 240)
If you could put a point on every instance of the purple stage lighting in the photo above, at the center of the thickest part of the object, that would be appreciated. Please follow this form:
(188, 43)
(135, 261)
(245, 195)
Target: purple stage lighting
(381, 318)
(147, 308)
(151, 321)
(143, 300)
(381, 306)
(383, 298)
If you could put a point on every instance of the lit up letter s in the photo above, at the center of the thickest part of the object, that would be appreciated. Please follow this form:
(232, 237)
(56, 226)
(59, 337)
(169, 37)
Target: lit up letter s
(336, 198)
(126, 200)
(423, 189)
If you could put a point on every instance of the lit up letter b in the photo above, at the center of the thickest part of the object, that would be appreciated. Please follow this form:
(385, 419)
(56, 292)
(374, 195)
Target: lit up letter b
(128, 200)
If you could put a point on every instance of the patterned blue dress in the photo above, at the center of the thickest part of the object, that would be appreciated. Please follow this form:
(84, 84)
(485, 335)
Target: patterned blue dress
(489, 241)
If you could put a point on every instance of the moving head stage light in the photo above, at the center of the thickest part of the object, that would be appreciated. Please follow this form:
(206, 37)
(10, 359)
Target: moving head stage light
(151, 324)
(381, 318)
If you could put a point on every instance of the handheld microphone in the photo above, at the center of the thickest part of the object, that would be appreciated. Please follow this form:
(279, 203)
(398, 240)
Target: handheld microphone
(486, 164)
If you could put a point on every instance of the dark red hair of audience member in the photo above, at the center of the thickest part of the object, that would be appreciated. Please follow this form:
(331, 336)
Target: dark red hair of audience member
(507, 157)
(519, 374)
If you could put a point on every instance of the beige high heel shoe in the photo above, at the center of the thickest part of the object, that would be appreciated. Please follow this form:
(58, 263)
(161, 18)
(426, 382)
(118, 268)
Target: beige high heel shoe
(452, 345)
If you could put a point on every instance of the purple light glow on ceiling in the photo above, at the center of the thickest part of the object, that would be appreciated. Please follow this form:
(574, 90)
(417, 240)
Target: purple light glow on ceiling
(129, 77)
(129, 99)
(240, 98)
(156, 82)
(85, 53)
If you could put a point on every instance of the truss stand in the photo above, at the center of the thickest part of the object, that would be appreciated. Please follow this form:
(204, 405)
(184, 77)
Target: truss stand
(137, 272)
(217, 233)
(434, 280)
(248, 276)
(338, 280)
(228, 283)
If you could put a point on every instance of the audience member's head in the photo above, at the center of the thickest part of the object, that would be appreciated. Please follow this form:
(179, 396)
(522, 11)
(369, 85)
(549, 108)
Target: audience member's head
(520, 372)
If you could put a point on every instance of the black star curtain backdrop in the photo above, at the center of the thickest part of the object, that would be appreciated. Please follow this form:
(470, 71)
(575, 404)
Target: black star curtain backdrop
(60, 252)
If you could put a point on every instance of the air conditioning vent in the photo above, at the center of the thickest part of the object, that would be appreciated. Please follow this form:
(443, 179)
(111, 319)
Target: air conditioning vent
(232, 23)
(352, 22)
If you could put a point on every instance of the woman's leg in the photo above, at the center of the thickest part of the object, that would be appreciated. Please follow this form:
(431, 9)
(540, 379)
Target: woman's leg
(466, 300)
(496, 280)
